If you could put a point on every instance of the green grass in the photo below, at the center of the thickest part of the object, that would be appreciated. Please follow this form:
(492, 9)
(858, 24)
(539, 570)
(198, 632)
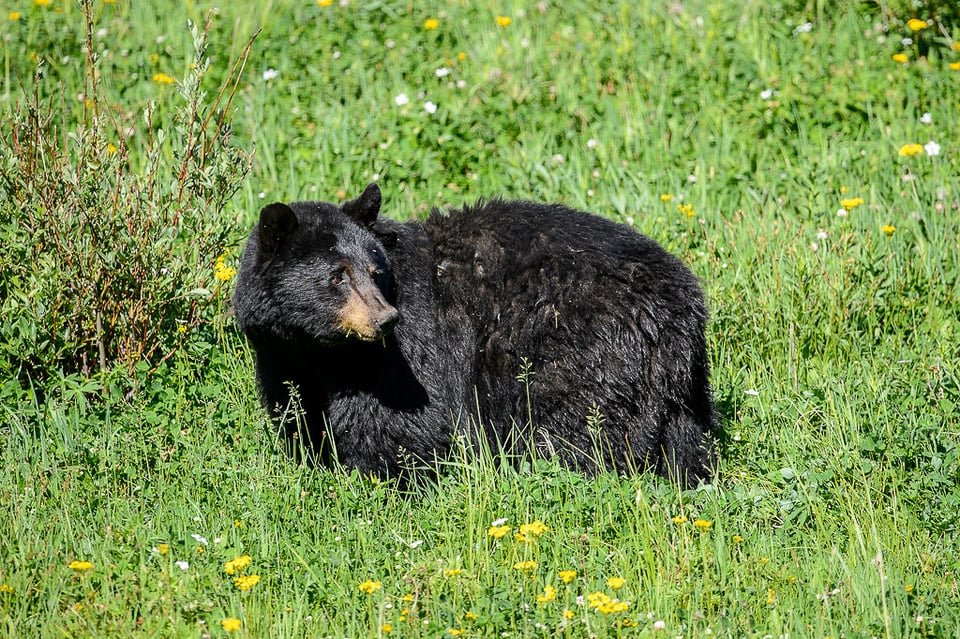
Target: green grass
(834, 344)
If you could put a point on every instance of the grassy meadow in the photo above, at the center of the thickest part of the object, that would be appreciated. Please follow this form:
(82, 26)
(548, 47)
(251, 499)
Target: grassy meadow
(802, 156)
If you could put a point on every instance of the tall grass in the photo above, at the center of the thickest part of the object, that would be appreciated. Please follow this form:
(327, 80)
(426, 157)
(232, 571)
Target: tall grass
(739, 135)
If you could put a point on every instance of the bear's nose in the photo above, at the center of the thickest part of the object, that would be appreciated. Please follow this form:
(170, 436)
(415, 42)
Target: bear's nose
(387, 319)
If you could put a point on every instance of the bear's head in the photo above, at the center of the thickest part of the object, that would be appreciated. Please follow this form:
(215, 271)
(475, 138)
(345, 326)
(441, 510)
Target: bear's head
(314, 274)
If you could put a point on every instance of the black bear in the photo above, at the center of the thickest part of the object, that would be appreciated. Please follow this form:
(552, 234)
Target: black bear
(529, 328)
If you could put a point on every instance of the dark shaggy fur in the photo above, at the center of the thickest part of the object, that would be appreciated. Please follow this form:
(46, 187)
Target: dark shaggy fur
(400, 337)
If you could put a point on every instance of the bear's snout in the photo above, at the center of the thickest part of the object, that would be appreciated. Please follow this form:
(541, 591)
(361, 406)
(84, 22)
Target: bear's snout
(366, 313)
(388, 319)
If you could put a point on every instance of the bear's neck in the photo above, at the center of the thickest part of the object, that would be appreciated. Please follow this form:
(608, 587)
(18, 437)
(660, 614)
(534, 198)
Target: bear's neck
(367, 376)
(330, 368)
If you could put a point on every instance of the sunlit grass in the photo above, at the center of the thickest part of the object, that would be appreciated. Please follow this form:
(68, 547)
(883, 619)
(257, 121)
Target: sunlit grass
(803, 163)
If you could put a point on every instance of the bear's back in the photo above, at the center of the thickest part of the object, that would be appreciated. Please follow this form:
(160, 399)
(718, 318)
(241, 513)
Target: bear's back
(518, 246)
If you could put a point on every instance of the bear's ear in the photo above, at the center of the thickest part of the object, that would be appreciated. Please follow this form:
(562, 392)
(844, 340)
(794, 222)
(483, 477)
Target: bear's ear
(277, 225)
(364, 209)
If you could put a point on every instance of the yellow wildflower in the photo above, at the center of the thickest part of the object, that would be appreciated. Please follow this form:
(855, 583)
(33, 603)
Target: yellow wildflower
(246, 582)
(504, 21)
(470, 616)
(498, 532)
(386, 628)
(702, 525)
(525, 565)
(369, 587)
(7, 588)
(900, 57)
(851, 203)
(888, 229)
(679, 520)
(614, 607)
(616, 583)
(325, 3)
(536, 528)
(737, 539)
(455, 632)
(461, 56)
(231, 624)
(430, 24)
(163, 78)
(954, 66)
(80, 566)
(666, 197)
(566, 576)
(221, 271)
(549, 594)
(771, 596)
(594, 599)
(907, 589)
(236, 565)
(687, 209)
(452, 572)
(916, 25)
(163, 548)
(568, 614)
(531, 531)
(42, 3)
(13, 15)
(602, 603)
(910, 149)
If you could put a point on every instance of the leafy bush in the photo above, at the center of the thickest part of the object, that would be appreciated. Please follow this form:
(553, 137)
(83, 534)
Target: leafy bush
(107, 264)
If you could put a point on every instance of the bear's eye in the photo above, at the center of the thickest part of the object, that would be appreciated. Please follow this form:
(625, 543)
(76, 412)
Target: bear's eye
(338, 277)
